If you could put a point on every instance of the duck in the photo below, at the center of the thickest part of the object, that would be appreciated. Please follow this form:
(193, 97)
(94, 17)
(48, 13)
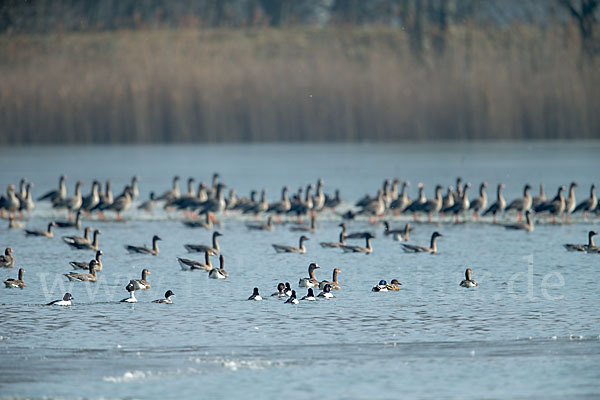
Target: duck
(191, 265)
(197, 248)
(14, 223)
(219, 273)
(301, 249)
(479, 204)
(131, 289)
(310, 228)
(280, 291)
(85, 265)
(288, 289)
(65, 301)
(588, 205)
(144, 250)
(468, 282)
(523, 226)
(18, 283)
(255, 295)
(584, 247)
(47, 233)
(499, 205)
(84, 277)
(78, 240)
(71, 223)
(310, 296)
(326, 293)
(367, 249)
(334, 282)
(7, 260)
(394, 285)
(311, 281)
(56, 195)
(167, 299)
(262, 227)
(72, 203)
(292, 299)
(382, 286)
(142, 284)
(432, 249)
(398, 234)
(521, 204)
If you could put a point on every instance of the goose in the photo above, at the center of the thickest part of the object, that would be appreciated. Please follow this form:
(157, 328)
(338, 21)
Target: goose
(84, 265)
(400, 204)
(280, 291)
(499, 205)
(280, 248)
(26, 202)
(521, 204)
(458, 194)
(231, 200)
(173, 193)
(10, 203)
(460, 206)
(300, 206)
(479, 204)
(72, 203)
(149, 204)
(468, 282)
(183, 200)
(262, 227)
(197, 248)
(432, 249)
(135, 192)
(310, 296)
(65, 301)
(131, 289)
(167, 299)
(14, 223)
(7, 260)
(216, 204)
(18, 283)
(56, 195)
(332, 202)
(417, 203)
(219, 273)
(121, 203)
(341, 242)
(588, 205)
(555, 207)
(90, 201)
(206, 224)
(84, 277)
(541, 198)
(432, 206)
(187, 264)
(292, 299)
(584, 247)
(319, 198)
(255, 295)
(259, 207)
(142, 284)
(570, 202)
(69, 223)
(375, 208)
(523, 226)
(78, 240)
(47, 233)
(367, 249)
(145, 250)
(310, 228)
(311, 281)
(398, 234)
(106, 199)
(326, 293)
(334, 282)
(448, 199)
(88, 246)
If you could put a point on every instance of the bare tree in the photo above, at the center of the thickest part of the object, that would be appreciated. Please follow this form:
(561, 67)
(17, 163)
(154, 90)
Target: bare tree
(586, 20)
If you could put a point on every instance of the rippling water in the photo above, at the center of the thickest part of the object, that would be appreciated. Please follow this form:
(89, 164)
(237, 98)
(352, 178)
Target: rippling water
(530, 330)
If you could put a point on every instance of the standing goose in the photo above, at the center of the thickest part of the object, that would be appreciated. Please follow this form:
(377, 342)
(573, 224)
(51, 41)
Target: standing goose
(584, 247)
(499, 205)
(198, 248)
(310, 228)
(231, 200)
(88, 246)
(341, 242)
(458, 194)
(141, 284)
(280, 248)
(72, 203)
(541, 198)
(588, 205)
(468, 282)
(131, 289)
(185, 199)
(90, 201)
(432, 249)
(219, 273)
(47, 233)
(334, 282)
(135, 191)
(319, 199)
(367, 249)
(398, 234)
(255, 295)
(570, 202)
(523, 226)
(18, 283)
(259, 207)
(145, 250)
(70, 223)
(84, 265)
(334, 201)
(460, 206)
(26, 202)
(78, 240)
(14, 223)
(479, 204)
(7, 260)
(417, 203)
(106, 199)
(149, 204)
(56, 195)
(167, 299)
(84, 277)
(554, 207)
(448, 200)
(65, 301)
(402, 201)
(173, 193)
(10, 203)
(432, 206)
(262, 227)
(311, 281)
(216, 204)
(521, 204)
(282, 206)
(187, 264)
(121, 203)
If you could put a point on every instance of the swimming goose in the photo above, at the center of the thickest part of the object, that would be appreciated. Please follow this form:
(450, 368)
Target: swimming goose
(206, 224)
(65, 301)
(499, 205)
(88, 246)
(570, 202)
(292, 299)
(142, 284)
(255, 295)
(524, 226)
(341, 242)
(367, 249)
(280, 291)
(310, 296)
(460, 206)
(71, 223)
(555, 207)
(197, 248)
(310, 228)
(167, 299)
(288, 289)
(334, 282)
(398, 234)
(521, 204)
(14, 223)
(479, 204)
(311, 281)
(410, 248)
(47, 233)
(468, 282)
(262, 227)
(588, 205)
(145, 250)
(187, 264)
(90, 201)
(72, 203)
(131, 289)
(219, 273)
(18, 283)
(10, 203)
(56, 195)
(84, 265)
(584, 247)
(121, 203)
(7, 260)
(541, 198)
(382, 286)
(78, 240)
(173, 193)
(84, 277)
(149, 204)
(280, 248)
(326, 293)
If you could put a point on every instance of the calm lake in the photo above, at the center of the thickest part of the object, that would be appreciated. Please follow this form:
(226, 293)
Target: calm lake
(531, 329)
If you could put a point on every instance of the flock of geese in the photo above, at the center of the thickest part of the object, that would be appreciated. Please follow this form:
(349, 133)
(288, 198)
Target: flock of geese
(202, 206)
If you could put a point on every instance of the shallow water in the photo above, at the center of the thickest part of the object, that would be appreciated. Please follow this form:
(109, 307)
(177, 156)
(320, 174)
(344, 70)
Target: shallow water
(530, 330)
